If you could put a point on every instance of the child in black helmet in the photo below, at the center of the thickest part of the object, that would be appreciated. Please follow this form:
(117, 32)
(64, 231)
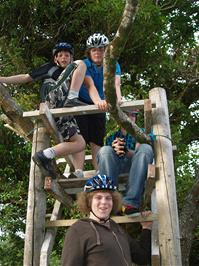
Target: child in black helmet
(49, 73)
(98, 240)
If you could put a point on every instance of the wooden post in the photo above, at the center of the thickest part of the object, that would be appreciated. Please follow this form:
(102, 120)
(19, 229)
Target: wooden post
(36, 209)
(155, 251)
(147, 115)
(169, 236)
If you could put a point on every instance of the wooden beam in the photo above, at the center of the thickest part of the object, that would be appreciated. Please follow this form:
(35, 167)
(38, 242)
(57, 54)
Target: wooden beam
(84, 110)
(80, 182)
(147, 115)
(52, 187)
(117, 219)
(49, 122)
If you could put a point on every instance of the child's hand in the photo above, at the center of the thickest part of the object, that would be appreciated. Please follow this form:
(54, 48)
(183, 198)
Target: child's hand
(146, 225)
(118, 146)
(102, 105)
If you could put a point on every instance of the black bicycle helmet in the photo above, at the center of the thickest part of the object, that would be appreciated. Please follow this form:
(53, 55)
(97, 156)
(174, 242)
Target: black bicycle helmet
(97, 40)
(63, 46)
(100, 182)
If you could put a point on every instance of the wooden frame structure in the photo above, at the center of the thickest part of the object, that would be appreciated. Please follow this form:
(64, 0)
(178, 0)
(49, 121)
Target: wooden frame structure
(40, 235)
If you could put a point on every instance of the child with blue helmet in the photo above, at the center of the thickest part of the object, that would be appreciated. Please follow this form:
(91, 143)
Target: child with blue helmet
(97, 239)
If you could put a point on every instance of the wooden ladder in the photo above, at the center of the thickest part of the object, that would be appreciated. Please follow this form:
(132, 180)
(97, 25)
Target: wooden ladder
(160, 189)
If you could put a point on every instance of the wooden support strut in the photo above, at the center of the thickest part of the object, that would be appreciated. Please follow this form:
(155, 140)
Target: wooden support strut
(49, 239)
(52, 187)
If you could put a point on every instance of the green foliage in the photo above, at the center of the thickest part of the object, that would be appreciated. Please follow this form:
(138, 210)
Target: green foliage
(162, 51)
(11, 250)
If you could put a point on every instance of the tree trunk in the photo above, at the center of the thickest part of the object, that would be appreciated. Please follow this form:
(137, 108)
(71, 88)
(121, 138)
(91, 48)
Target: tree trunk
(112, 54)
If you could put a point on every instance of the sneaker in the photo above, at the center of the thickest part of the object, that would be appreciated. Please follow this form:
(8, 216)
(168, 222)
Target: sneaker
(77, 174)
(45, 164)
(73, 102)
(128, 209)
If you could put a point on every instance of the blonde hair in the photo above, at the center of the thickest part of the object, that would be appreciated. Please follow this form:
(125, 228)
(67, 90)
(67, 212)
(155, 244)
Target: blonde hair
(84, 200)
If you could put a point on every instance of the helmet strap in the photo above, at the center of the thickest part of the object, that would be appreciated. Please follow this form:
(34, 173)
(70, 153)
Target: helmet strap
(101, 220)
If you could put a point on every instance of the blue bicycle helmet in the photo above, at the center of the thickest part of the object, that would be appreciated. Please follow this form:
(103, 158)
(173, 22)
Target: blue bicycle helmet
(100, 182)
(97, 40)
(63, 46)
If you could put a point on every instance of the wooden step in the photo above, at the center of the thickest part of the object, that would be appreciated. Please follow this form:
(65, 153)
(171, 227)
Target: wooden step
(118, 219)
(80, 182)
(88, 158)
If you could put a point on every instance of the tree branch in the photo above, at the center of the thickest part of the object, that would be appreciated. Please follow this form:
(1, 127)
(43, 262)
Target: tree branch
(112, 54)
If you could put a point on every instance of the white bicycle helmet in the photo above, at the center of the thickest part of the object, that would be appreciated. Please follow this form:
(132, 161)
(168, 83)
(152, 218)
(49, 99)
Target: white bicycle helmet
(97, 40)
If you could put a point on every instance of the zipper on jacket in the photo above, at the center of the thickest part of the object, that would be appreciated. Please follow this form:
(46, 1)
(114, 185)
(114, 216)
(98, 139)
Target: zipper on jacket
(120, 247)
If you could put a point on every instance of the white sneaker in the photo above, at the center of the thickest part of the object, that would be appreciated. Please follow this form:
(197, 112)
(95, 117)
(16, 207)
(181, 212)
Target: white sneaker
(77, 174)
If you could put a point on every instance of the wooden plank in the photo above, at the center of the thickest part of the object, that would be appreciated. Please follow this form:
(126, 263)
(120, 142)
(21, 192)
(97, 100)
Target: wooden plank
(53, 188)
(117, 219)
(88, 159)
(83, 110)
(80, 182)
(147, 115)
(49, 239)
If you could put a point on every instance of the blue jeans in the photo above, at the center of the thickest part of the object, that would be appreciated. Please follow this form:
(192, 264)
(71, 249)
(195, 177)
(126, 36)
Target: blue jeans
(110, 164)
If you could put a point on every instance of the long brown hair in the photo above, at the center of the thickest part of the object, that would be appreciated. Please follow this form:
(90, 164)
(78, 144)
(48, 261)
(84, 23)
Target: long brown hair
(84, 200)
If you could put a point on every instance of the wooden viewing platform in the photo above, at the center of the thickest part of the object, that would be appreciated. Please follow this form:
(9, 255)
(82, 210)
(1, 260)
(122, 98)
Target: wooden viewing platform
(160, 191)
(165, 232)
